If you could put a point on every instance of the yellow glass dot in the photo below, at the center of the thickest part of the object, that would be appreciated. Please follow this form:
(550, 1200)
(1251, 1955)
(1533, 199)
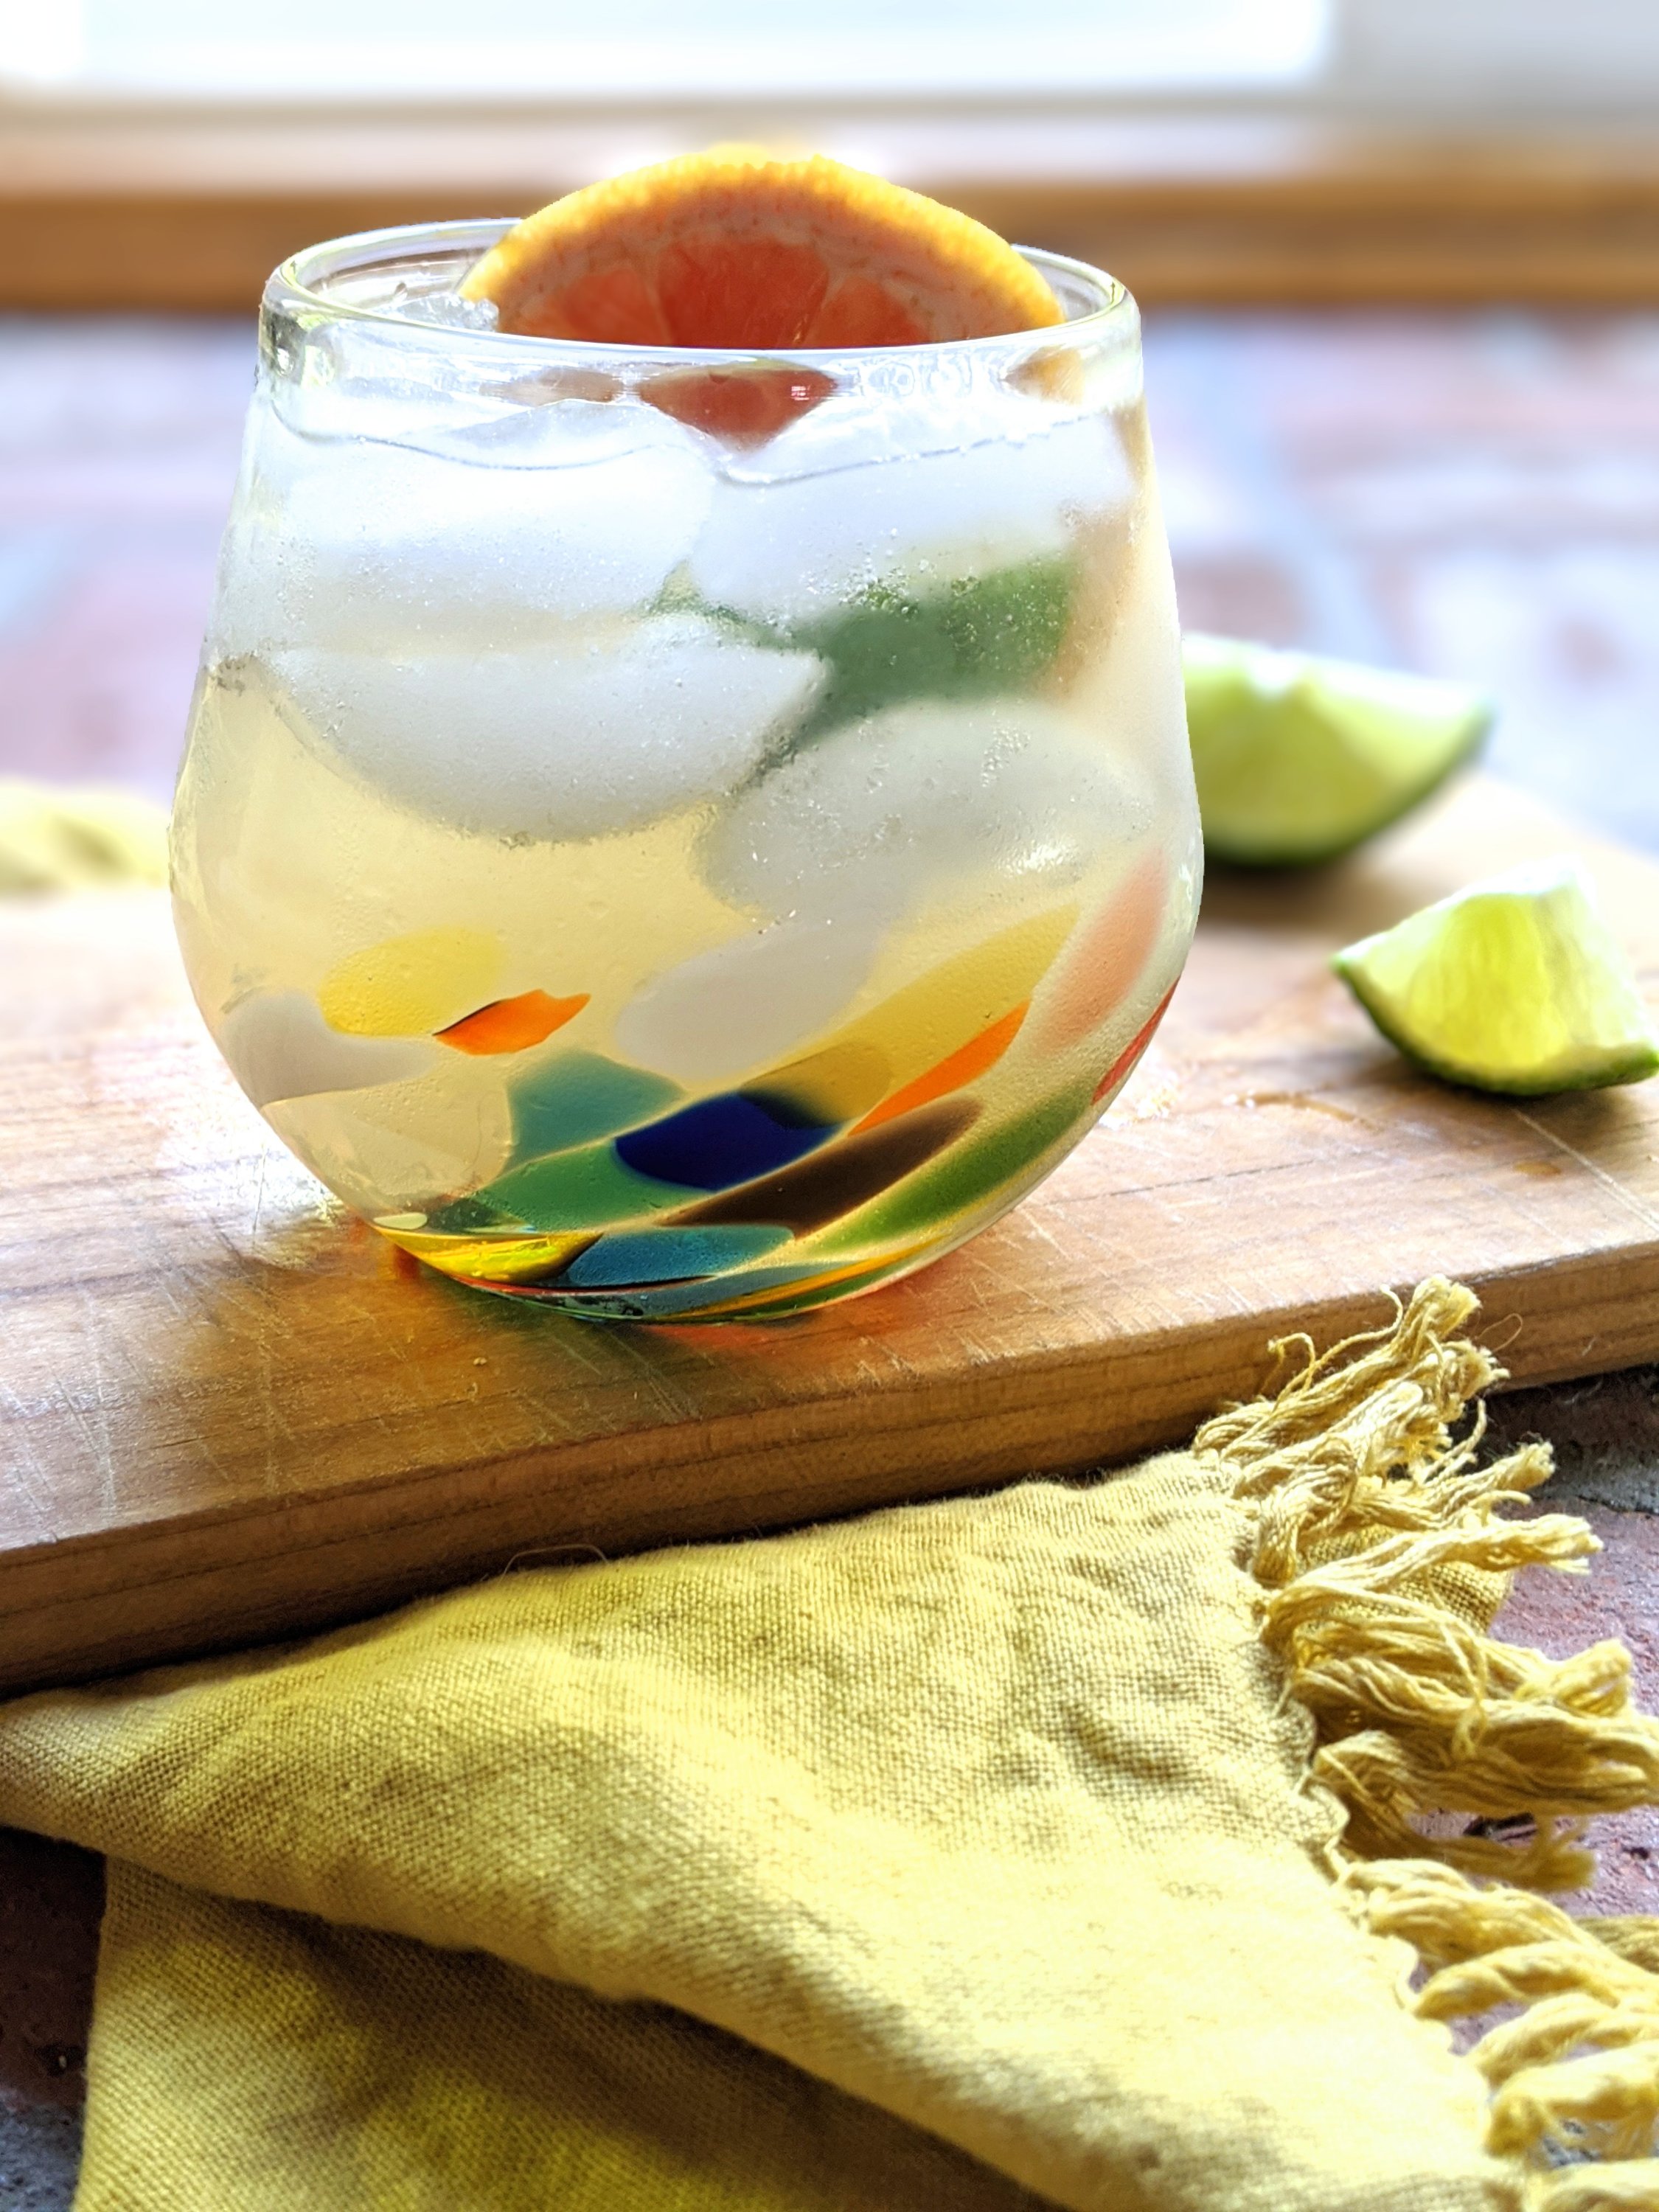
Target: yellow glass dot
(410, 986)
(936, 1015)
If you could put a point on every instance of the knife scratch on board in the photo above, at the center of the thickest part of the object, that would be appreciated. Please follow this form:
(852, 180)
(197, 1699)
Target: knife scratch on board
(1626, 1196)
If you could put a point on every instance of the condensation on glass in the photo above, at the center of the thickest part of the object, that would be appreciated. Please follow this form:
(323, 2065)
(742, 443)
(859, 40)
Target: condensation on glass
(674, 872)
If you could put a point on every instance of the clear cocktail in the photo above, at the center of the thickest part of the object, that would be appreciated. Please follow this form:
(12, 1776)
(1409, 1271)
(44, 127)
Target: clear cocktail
(668, 872)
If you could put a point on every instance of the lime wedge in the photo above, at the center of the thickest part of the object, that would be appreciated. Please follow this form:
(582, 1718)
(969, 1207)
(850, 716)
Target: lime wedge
(1516, 984)
(1299, 759)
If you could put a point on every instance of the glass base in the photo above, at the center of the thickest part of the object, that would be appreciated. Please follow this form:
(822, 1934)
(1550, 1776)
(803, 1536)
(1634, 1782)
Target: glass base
(687, 1266)
(756, 1294)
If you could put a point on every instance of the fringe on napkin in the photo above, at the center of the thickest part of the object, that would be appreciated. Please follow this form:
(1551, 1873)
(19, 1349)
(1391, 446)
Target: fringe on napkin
(1375, 1539)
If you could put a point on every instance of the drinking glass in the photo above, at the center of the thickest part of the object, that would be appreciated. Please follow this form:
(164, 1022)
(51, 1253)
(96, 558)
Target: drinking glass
(671, 834)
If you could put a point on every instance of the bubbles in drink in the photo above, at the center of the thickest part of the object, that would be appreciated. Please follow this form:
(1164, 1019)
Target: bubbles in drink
(904, 501)
(367, 544)
(600, 729)
(670, 873)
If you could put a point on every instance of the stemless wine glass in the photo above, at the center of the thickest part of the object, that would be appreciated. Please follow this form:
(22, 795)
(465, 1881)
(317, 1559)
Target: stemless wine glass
(672, 835)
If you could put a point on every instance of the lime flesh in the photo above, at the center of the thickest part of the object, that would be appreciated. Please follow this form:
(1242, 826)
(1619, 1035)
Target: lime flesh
(1299, 759)
(1516, 984)
(981, 635)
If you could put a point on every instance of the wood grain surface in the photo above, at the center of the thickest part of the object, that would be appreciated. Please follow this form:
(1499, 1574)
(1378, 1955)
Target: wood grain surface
(228, 1411)
(181, 210)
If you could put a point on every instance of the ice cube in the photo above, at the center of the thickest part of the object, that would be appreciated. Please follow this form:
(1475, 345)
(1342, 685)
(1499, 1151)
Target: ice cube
(279, 1047)
(942, 409)
(374, 379)
(408, 1145)
(557, 514)
(447, 310)
(846, 500)
(899, 801)
(577, 737)
(723, 1012)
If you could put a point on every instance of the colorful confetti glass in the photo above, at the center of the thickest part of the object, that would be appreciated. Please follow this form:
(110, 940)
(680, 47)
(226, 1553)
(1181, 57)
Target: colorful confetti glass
(410, 985)
(639, 1257)
(512, 1025)
(719, 1142)
(572, 1097)
(679, 868)
(843, 1176)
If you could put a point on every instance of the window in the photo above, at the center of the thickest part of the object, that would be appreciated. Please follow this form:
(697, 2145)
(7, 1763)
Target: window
(357, 48)
(1433, 56)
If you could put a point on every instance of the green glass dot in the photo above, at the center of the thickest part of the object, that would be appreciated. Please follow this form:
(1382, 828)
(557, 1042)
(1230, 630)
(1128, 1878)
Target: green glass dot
(962, 1178)
(586, 1187)
(573, 1097)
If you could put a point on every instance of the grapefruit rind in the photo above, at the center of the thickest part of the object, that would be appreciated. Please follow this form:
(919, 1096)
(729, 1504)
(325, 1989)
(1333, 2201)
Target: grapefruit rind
(1515, 985)
(733, 249)
(1299, 759)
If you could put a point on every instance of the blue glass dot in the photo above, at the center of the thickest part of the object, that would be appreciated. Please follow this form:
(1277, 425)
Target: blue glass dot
(668, 1256)
(573, 1097)
(717, 1142)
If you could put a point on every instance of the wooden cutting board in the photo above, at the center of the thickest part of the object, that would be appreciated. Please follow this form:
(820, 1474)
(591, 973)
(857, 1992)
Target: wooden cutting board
(228, 1411)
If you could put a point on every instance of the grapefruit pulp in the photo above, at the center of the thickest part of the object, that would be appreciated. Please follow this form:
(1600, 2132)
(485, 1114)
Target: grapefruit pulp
(737, 249)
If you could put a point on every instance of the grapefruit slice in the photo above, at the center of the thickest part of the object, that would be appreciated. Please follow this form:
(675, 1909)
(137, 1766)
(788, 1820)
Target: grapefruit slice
(736, 249)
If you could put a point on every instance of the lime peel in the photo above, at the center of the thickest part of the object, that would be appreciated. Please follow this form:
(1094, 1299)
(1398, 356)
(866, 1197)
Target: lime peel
(1298, 759)
(1514, 985)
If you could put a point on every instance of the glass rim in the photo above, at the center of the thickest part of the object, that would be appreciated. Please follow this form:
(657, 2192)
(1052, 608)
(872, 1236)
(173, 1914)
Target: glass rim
(299, 282)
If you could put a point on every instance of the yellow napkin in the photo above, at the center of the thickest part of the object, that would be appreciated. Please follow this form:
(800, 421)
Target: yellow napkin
(61, 838)
(983, 1854)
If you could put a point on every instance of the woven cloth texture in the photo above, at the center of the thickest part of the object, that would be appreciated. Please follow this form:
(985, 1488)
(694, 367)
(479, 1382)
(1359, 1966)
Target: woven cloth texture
(963, 1856)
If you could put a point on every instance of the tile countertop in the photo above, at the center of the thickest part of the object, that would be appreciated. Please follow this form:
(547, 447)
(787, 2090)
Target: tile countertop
(1476, 495)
